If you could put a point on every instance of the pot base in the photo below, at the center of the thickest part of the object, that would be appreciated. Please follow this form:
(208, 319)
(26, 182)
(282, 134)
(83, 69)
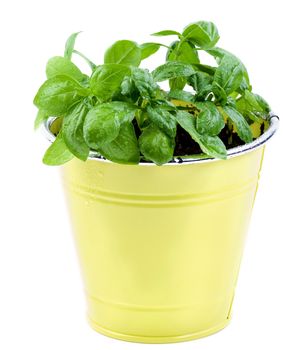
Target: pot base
(157, 340)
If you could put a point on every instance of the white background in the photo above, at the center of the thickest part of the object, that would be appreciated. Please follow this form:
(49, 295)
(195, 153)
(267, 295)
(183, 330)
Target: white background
(41, 295)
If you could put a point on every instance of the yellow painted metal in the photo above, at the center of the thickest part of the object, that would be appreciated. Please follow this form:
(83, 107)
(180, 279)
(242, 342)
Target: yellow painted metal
(160, 247)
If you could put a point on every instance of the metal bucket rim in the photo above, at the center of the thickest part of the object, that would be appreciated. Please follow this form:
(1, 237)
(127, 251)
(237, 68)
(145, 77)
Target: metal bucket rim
(178, 160)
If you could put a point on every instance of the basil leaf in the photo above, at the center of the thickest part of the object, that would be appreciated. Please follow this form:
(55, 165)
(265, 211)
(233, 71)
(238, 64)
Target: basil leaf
(252, 106)
(72, 131)
(203, 34)
(106, 80)
(252, 101)
(213, 146)
(181, 95)
(148, 49)
(219, 54)
(171, 70)
(182, 52)
(40, 118)
(204, 68)
(229, 74)
(210, 145)
(58, 94)
(127, 86)
(239, 122)
(244, 107)
(177, 83)
(200, 81)
(156, 146)
(102, 123)
(62, 66)
(124, 148)
(166, 32)
(219, 93)
(163, 119)
(231, 102)
(209, 121)
(144, 82)
(262, 103)
(57, 153)
(70, 44)
(123, 52)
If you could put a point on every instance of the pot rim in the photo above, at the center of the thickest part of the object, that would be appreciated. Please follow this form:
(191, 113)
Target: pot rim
(181, 160)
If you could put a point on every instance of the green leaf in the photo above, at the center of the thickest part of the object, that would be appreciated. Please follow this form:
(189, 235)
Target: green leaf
(262, 103)
(182, 52)
(70, 44)
(127, 86)
(219, 93)
(200, 81)
(72, 131)
(229, 74)
(148, 49)
(181, 95)
(156, 146)
(213, 146)
(177, 83)
(252, 106)
(62, 66)
(40, 118)
(163, 119)
(219, 54)
(58, 94)
(210, 145)
(106, 80)
(103, 122)
(209, 121)
(239, 122)
(203, 34)
(124, 148)
(171, 70)
(204, 68)
(123, 52)
(57, 153)
(144, 82)
(166, 33)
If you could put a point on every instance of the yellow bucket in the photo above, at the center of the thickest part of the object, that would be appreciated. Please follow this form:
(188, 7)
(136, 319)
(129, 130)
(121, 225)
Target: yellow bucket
(160, 247)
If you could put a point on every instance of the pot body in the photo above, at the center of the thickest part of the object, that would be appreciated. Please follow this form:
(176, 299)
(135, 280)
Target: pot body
(160, 247)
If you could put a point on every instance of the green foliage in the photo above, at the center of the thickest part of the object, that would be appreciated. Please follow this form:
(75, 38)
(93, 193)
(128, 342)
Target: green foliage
(107, 79)
(123, 52)
(163, 119)
(62, 66)
(72, 131)
(171, 70)
(57, 153)
(121, 111)
(166, 33)
(203, 34)
(69, 46)
(56, 95)
(240, 124)
(209, 120)
(156, 146)
(148, 49)
(103, 122)
(124, 148)
(210, 145)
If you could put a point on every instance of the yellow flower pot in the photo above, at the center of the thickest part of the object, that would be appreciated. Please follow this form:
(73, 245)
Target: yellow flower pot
(160, 246)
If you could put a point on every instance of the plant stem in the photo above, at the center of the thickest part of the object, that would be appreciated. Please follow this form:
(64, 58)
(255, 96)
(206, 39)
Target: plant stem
(90, 63)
